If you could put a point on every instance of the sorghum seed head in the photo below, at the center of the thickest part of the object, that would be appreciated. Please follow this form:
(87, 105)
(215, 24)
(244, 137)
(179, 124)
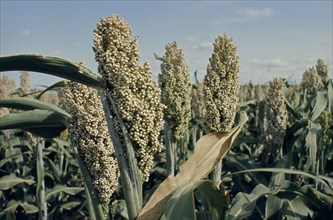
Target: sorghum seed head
(130, 85)
(312, 81)
(176, 89)
(25, 82)
(322, 70)
(221, 86)
(89, 129)
(276, 114)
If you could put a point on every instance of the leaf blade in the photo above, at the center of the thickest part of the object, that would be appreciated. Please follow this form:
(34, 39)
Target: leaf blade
(51, 65)
(195, 168)
(8, 181)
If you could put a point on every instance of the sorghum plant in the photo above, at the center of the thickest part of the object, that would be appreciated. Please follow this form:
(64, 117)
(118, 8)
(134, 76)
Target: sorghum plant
(312, 81)
(322, 70)
(175, 85)
(221, 89)
(130, 85)
(221, 86)
(25, 82)
(89, 130)
(276, 116)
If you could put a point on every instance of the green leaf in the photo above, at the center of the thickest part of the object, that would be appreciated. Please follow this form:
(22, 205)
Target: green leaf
(292, 111)
(28, 208)
(10, 209)
(10, 158)
(274, 204)
(40, 122)
(182, 204)
(311, 143)
(8, 181)
(261, 113)
(51, 65)
(292, 133)
(55, 86)
(121, 209)
(59, 188)
(323, 179)
(31, 104)
(71, 205)
(53, 168)
(13, 204)
(243, 162)
(295, 209)
(243, 204)
(32, 119)
(321, 102)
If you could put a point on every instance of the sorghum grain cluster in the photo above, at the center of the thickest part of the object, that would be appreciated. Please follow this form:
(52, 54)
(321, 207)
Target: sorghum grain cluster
(312, 81)
(176, 89)
(137, 96)
(276, 114)
(89, 130)
(221, 86)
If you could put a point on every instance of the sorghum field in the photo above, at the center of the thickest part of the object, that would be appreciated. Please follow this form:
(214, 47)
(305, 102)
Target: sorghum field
(118, 145)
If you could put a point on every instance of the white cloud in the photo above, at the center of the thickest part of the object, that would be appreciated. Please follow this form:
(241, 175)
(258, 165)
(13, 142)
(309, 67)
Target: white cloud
(272, 62)
(247, 15)
(25, 33)
(205, 45)
(253, 14)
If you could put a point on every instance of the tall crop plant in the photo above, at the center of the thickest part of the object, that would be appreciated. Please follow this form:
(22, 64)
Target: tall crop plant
(175, 86)
(89, 130)
(277, 117)
(221, 89)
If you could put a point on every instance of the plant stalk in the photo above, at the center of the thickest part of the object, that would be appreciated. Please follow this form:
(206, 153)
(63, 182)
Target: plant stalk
(41, 182)
(170, 151)
(128, 173)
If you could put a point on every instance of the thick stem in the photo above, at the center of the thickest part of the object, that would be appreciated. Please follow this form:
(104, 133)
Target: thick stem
(128, 185)
(41, 182)
(89, 203)
(170, 151)
(134, 171)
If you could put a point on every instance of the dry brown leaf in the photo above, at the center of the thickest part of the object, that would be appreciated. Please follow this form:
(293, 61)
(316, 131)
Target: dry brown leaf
(209, 150)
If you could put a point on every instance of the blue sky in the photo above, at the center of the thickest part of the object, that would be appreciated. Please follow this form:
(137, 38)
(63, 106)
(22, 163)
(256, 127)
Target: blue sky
(273, 38)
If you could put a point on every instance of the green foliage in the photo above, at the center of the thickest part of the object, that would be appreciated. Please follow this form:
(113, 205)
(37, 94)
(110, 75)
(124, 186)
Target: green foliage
(7, 182)
(19, 178)
(292, 195)
(42, 171)
(182, 204)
